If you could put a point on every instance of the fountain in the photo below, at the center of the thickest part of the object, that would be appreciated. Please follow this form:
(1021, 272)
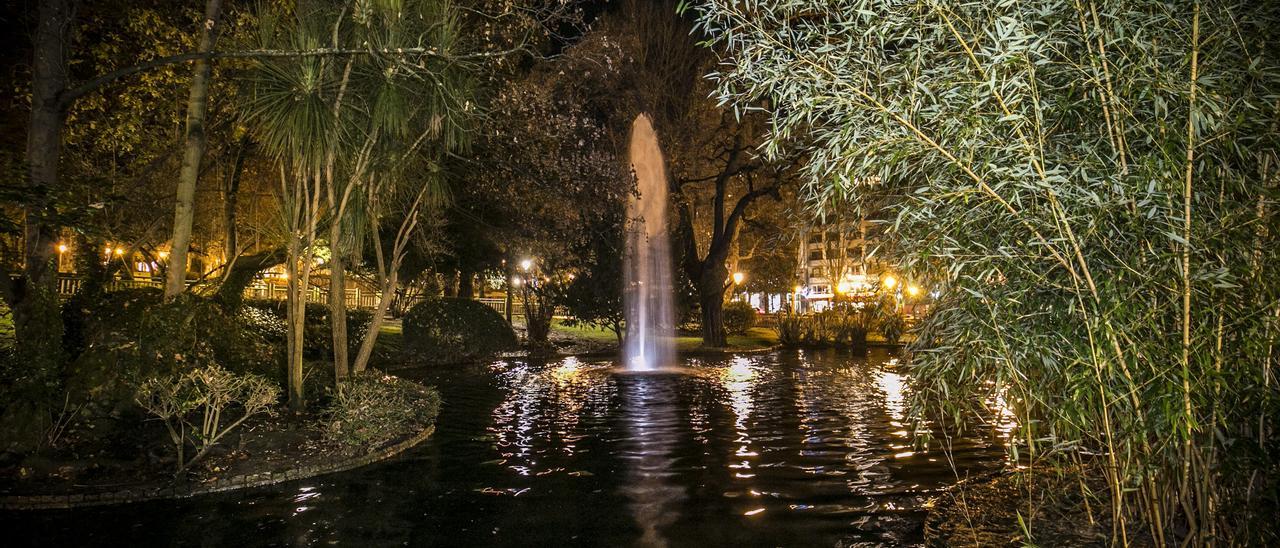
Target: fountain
(649, 342)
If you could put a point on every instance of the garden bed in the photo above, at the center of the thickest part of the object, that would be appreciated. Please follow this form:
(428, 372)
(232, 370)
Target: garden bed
(138, 465)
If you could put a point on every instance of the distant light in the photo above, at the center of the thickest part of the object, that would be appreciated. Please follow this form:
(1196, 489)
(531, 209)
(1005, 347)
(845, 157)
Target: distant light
(119, 251)
(913, 290)
(889, 281)
(62, 248)
(164, 254)
(843, 287)
(526, 264)
(571, 276)
(753, 512)
(799, 288)
(737, 278)
(516, 281)
(107, 251)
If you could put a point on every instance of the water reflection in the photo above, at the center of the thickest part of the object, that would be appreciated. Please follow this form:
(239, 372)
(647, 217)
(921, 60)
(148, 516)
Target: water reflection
(653, 429)
(779, 449)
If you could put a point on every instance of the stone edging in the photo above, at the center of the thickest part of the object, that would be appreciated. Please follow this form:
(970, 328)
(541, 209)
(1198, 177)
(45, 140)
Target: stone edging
(141, 494)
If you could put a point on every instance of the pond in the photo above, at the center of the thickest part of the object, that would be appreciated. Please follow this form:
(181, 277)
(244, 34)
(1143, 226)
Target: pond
(780, 449)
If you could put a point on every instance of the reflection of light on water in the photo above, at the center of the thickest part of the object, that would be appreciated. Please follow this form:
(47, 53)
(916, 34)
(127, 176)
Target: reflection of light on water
(653, 426)
(891, 384)
(1004, 421)
(543, 405)
(737, 381)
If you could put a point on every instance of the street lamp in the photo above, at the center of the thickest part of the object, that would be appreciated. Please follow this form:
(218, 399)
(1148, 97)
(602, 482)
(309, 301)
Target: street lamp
(526, 264)
(737, 278)
(889, 281)
(913, 290)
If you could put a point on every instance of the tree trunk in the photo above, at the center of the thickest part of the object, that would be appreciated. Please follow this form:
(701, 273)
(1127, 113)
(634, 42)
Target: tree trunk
(36, 316)
(450, 280)
(197, 105)
(338, 302)
(466, 284)
(231, 293)
(295, 317)
(231, 198)
(711, 300)
(379, 312)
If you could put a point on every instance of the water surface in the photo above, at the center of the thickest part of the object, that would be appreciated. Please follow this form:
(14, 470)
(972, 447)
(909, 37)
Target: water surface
(782, 449)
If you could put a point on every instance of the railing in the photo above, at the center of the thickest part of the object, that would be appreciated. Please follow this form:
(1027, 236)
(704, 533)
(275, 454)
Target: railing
(356, 297)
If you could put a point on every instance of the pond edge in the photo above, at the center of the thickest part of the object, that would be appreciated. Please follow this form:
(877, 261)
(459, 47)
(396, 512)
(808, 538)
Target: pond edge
(244, 481)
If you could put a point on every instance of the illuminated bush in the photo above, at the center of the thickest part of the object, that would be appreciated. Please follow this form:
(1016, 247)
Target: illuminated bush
(372, 409)
(739, 316)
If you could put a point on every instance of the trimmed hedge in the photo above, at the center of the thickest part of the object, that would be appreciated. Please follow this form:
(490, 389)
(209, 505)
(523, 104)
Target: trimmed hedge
(448, 330)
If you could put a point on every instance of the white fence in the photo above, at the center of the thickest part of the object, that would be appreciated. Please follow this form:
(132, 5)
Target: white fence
(356, 297)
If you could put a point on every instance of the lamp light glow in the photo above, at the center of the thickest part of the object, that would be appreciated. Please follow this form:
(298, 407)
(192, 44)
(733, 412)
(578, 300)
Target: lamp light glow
(889, 281)
(737, 278)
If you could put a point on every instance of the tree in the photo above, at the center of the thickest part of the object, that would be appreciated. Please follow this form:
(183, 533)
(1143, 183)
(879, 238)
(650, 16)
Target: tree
(193, 152)
(1092, 183)
(594, 295)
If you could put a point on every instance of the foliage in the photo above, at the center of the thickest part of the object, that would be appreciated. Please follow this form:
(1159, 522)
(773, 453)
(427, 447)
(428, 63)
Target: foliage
(739, 316)
(370, 409)
(1094, 184)
(454, 330)
(594, 295)
(843, 325)
(267, 318)
(790, 327)
(130, 336)
(196, 406)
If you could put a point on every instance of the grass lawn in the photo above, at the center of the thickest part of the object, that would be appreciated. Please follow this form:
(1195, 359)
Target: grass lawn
(754, 338)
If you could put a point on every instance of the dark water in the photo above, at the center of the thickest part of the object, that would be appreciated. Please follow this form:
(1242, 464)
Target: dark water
(789, 449)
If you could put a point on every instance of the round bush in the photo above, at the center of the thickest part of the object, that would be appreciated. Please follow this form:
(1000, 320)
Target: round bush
(739, 317)
(455, 330)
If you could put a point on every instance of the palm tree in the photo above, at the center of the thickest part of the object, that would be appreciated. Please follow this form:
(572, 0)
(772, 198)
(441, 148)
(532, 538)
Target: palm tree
(344, 128)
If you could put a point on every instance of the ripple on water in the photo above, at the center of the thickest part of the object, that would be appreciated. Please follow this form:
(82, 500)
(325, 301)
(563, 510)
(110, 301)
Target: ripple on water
(778, 449)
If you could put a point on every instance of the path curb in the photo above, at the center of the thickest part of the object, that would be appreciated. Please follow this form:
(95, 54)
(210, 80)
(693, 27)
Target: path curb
(244, 481)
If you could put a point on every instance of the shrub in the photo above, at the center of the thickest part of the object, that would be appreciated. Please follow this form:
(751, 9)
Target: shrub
(195, 405)
(455, 330)
(129, 337)
(789, 328)
(369, 410)
(843, 326)
(267, 318)
(739, 316)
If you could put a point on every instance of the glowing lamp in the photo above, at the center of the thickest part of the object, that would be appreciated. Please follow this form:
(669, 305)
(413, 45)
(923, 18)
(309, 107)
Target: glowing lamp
(119, 251)
(889, 281)
(526, 264)
(737, 278)
(62, 248)
(913, 290)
